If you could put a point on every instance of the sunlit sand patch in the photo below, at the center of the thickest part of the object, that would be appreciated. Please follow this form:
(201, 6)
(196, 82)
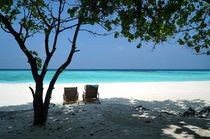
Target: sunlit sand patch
(171, 130)
(185, 131)
(200, 131)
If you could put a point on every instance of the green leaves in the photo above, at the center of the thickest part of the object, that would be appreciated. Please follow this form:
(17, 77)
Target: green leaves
(38, 59)
(127, 2)
(116, 34)
(39, 62)
(180, 41)
(139, 45)
(157, 21)
(4, 4)
(100, 12)
(108, 25)
(197, 49)
(34, 53)
(144, 21)
(72, 11)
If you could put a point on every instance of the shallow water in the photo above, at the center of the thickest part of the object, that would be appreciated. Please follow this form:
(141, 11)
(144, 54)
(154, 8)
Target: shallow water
(79, 76)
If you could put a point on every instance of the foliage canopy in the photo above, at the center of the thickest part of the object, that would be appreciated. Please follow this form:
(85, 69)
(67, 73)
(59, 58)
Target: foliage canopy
(143, 20)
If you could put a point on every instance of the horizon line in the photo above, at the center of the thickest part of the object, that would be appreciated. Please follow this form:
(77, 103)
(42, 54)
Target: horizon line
(88, 69)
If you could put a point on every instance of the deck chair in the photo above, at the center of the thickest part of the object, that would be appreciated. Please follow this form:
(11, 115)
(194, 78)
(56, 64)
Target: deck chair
(91, 94)
(70, 95)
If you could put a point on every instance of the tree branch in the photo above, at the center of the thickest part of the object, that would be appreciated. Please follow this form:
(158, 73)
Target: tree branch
(31, 59)
(21, 28)
(32, 91)
(4, 29)
(95, 33)
(66, 28)
(63, 66)
(62, 7)
(41, 14)
(49, 54)
(47, 35)
(68, 19)
(58, 28)
(189, 29)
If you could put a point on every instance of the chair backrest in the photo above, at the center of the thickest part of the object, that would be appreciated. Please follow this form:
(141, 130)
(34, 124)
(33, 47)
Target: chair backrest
(91, 91)
(70, 92)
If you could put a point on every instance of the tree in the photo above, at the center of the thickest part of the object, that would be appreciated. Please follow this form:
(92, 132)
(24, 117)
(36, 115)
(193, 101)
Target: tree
(144, 20)
(186, 21)
(48, 18)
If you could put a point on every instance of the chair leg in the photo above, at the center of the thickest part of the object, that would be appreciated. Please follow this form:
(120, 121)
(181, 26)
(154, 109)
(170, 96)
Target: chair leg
(83, 98)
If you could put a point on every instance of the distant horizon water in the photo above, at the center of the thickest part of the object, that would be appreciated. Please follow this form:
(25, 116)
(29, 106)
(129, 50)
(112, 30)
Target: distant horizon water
(1, 69)
(109, 75)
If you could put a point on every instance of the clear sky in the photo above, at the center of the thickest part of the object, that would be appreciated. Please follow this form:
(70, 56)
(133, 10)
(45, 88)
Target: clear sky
(105, 53)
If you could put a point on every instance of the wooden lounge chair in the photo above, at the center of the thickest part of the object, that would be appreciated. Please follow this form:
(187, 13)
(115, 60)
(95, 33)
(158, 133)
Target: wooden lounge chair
(70, 95)
(91, 94)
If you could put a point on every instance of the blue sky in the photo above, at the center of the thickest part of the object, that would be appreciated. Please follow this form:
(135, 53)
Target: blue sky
(105, 53)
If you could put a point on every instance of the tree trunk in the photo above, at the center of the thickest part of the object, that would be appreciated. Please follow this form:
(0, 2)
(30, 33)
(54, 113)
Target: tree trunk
(40, 107)
(39, 111)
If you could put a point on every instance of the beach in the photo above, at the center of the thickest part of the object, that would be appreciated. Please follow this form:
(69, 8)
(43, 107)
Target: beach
(120, 114)
(19, 93)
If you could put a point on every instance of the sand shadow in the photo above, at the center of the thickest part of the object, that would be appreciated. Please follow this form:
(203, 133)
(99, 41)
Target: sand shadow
(170, 124)
(94, 120)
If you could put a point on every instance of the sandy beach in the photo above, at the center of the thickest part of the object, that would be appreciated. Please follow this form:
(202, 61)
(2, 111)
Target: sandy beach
(127, 110)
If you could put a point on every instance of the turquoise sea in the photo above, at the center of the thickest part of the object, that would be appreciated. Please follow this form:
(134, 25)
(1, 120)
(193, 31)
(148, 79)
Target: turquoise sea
(96, 76)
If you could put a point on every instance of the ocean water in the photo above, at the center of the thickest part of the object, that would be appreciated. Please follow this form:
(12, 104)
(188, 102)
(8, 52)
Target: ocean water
(96, 76)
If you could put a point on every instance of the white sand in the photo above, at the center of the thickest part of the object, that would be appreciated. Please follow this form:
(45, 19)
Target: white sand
(116, 116)
(16, 94)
